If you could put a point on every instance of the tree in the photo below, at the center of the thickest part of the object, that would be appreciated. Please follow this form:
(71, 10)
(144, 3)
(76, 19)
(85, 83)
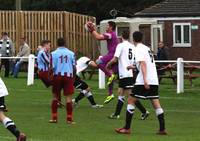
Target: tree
(97, 8)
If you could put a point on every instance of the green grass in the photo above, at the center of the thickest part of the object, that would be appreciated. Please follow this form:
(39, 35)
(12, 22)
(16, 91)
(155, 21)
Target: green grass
(29, 107)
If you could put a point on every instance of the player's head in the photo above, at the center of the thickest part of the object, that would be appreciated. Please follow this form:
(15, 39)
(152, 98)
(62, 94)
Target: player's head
(137, 37)
(4, 35)
(39, 48)
(111, 26)
(125, 34)
(160, 44)
(61, 42)
(22, 40)
(46, 44)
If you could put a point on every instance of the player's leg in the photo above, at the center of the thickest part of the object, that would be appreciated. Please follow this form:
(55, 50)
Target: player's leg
(78, 84)
(68, 86)
(110, 96)
(56, 90)
(85, 92)
(9, 124)
(125, 87)
(59, 101)
(44, 77)
(120, 103)
(129, 116)
(160, 115)
(101, 63)
(114, 75)
(69, 109)
(142, 109)
(54, 109)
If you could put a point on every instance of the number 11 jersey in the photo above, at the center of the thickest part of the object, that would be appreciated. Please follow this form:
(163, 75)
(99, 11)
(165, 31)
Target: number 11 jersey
(63, 61)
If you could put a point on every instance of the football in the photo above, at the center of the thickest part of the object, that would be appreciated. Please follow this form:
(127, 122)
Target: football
(89, 26)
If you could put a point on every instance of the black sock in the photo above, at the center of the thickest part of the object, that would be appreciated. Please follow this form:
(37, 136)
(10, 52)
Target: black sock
(2, 101)
(139, 105)
(91, 100)
(119, 106)
(90, 97)
(129, 115)
(14, 130)
(161, 121)
(10, 125)
(79, 97)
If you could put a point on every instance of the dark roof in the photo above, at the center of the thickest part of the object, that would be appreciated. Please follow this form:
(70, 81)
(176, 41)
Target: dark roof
(172, 8)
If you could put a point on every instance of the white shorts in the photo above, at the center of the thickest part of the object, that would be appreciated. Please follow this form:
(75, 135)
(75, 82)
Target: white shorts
(3, 89)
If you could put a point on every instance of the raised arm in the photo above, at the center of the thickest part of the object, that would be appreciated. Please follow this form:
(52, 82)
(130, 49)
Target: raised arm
(92, 29)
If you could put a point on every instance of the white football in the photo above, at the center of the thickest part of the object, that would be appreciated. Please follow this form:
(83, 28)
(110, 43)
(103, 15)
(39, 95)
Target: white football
(86, 28)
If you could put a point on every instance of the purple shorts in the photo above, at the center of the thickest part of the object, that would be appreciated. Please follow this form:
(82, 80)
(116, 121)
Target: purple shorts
(106, 58)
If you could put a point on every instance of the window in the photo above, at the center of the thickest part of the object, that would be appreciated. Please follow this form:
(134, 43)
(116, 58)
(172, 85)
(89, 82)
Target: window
(182, 35)
(120, 30)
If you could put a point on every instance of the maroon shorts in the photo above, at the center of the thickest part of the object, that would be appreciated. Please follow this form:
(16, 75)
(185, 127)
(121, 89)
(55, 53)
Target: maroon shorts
(44, 76)
(63, 82)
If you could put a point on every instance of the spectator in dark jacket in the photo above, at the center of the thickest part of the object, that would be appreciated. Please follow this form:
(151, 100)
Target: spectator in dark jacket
(162, 54)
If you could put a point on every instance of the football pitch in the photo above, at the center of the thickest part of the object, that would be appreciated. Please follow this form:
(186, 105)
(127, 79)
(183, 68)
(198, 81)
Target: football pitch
(29, 107)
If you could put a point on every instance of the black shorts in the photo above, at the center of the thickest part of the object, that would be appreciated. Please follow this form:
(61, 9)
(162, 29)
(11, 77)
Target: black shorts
(139, 91)
(2, 104)
(126, 83)
(80, 84)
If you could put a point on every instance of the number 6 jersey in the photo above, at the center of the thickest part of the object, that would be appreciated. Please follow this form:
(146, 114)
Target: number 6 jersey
(125, 53)
(143, 53)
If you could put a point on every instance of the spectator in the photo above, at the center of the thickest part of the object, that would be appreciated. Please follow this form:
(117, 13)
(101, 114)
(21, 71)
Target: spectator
(6, 50)
(24, 51)
(162, 54)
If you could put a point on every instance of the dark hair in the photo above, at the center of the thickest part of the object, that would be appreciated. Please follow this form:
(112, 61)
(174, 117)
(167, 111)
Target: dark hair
(137, 36)
(43, 42)
(112, 24)
(61, 42)
(126, 34)
(4, 33)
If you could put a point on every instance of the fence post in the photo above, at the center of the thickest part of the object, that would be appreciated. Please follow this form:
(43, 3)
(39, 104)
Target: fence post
(180, 76)
(101, 79)
(31, 63)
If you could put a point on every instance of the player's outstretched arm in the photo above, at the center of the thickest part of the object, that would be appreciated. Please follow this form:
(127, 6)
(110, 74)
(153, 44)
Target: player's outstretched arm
(89, 26)
(97, 36)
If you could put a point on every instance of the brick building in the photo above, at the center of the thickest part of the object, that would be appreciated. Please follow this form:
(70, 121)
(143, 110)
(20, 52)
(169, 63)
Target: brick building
(175, 22)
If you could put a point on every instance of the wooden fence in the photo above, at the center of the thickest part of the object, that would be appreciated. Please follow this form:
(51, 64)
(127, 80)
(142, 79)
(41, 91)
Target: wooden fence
(40, 25)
